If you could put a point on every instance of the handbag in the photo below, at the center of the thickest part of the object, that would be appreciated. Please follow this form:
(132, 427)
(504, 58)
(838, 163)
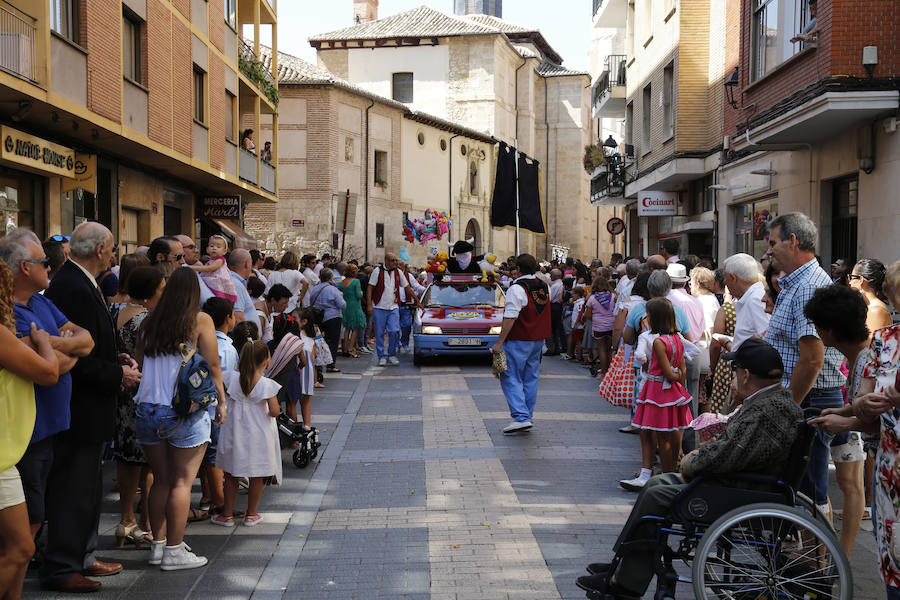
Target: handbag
(703, 358)
(194, 386)
(17, 412)
(323, 352)
(617, 386)
(317, 313)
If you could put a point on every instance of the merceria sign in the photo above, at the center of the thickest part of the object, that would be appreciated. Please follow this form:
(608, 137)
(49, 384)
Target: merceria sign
(652, 203)
(221, 207)
(36, 153)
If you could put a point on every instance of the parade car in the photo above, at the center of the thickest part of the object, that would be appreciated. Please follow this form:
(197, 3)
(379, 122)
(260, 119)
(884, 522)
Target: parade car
(462, 316)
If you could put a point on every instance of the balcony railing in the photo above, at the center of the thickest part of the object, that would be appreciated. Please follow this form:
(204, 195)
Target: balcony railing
(247, 166)
(267, 174)
(256, 71)
(613, 75)
(17, 43)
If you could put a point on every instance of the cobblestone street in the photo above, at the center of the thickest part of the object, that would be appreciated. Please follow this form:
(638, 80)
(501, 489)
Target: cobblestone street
(417, 494)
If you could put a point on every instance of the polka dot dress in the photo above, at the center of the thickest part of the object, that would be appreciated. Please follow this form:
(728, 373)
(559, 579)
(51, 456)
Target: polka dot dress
(721, 388)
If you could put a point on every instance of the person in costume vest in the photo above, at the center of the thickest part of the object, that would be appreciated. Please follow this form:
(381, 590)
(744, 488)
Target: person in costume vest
(462, 259)
(383, 303)
(526, 324)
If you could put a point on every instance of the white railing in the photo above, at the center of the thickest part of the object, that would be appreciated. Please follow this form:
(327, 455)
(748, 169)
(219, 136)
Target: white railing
(17, 43)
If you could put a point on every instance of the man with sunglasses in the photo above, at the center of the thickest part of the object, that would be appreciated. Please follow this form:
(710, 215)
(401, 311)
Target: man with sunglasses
(191, 256)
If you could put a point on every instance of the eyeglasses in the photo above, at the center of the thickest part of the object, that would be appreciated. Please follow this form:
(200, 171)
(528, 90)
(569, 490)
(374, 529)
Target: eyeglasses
(179, 257)
(189, 247)
(60, 238)
(38, 261)
(853, 277)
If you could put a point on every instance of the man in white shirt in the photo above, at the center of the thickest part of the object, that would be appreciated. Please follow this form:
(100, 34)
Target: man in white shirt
(626, 283)
(670, 249)
(309, 264)
(555, 345)
(742, 278)
(383, 303)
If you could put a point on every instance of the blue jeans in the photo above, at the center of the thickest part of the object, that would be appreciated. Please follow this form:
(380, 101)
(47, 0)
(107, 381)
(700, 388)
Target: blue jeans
(815, 480)
(893, 593)
(520, 381)
(386, 321)
(158, 423)
(405, 325)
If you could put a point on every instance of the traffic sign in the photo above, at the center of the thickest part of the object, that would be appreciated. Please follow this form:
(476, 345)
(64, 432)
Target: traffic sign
(615, 226)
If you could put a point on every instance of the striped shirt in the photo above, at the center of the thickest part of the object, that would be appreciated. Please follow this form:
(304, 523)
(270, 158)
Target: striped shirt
(788, 324)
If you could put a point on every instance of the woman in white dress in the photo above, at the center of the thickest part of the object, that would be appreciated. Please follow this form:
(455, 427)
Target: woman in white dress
(248, 440)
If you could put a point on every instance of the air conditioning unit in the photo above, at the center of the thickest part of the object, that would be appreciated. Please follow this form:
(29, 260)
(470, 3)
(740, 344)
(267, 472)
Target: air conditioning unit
(629, 151)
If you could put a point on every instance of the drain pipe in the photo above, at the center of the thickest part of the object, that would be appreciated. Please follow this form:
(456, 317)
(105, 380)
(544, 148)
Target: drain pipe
(547, 168)
(450, 184)
(366, 180)
(516, 94)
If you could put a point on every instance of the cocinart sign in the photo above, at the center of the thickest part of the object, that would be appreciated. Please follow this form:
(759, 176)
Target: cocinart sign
(652, 203)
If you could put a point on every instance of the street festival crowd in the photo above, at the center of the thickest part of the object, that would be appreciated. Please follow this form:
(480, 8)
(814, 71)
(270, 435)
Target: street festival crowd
(162, 359)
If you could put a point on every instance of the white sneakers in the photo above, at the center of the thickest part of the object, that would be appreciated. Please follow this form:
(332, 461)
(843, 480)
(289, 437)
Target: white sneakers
(176, 558)
(634, 485)
(390, 360)
(382, 362)
(393, 360)
(156, 551)
(517, 426)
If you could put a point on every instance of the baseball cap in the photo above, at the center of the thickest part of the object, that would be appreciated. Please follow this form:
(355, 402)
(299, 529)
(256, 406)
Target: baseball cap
(759, 357)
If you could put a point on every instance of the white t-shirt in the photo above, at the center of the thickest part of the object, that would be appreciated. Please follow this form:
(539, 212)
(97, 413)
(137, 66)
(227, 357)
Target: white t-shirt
(516, 299)
(710, 310)
(576, 310)
(388, 300)
(750, 315)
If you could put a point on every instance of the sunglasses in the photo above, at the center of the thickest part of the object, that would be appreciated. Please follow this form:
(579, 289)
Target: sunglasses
(854, 277)
(38, 261)
(60, 238)
(179, 257)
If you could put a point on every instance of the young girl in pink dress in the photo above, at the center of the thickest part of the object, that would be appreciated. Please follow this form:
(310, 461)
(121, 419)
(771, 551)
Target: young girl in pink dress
(663, 407)
(215, 273)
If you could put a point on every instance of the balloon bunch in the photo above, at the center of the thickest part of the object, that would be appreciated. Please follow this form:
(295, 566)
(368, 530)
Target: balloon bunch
(433, 226)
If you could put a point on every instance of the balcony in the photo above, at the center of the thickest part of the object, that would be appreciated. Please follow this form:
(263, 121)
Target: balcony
(247, 166)
(17, 42)
(607, 186)
(267, 175)
(255, 71)
(608, 95)
(609, 13)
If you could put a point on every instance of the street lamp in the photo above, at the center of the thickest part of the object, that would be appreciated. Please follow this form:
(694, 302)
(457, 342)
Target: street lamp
(610, 143)
(615, 180)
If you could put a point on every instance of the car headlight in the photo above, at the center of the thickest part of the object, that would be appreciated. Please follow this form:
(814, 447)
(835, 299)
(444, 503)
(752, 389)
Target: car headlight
(432, 330)
(495, 330)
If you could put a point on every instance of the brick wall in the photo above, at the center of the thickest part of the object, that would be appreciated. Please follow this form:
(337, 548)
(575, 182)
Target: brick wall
(855, 25)
(184, 7)
(216, 26)
(217, 111)
(692, 76)
(159, 74)
(103, 38)
(182, 88)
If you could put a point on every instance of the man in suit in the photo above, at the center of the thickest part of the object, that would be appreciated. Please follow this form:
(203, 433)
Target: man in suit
(75, 486)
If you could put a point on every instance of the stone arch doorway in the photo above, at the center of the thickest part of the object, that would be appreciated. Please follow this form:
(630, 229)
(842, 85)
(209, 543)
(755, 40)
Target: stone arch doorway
(473, 231)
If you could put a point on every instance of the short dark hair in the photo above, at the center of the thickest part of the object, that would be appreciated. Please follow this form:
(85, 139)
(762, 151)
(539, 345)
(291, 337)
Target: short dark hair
(840, 310)
(661, 316)
(671, 246)
(640, 286)
(56, 254)
(255, 286)
(143, 282)
(160, 245)
(527, 264)
(617, 256)
(219, 309)
(254, 255)
(278, 292)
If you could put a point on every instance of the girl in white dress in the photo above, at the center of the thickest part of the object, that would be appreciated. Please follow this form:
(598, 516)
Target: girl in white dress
(248, 440)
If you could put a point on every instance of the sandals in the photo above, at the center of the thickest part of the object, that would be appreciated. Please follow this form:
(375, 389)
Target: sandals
(196, 514)
(319, 385)
(332, 370)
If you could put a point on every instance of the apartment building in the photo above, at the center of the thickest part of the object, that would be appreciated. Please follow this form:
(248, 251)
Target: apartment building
(128, 112)
(673, 96)
(813, 124)
(496, 77)
(349, 152)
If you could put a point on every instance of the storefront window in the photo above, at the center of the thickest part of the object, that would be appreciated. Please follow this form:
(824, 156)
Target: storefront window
(18, 193)
(76, 207)
(753, 221)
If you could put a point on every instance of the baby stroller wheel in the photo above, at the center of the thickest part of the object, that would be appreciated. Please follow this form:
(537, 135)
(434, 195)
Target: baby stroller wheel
(301, 458)
(314, 442)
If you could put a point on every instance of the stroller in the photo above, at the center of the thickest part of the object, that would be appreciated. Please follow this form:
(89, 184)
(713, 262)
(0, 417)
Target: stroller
(308, 439)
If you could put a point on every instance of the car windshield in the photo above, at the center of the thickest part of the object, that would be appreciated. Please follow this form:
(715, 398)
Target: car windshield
(464, 294)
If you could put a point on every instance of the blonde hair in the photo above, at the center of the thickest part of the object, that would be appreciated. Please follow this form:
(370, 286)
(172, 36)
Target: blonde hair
(892, 283)
(701, 277)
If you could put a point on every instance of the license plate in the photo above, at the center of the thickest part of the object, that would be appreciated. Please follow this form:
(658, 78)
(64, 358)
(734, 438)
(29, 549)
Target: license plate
(464, 342)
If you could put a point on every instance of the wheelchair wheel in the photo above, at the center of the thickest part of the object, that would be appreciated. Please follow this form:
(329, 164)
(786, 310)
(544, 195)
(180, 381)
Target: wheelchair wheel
(806, 503)
(770, 551)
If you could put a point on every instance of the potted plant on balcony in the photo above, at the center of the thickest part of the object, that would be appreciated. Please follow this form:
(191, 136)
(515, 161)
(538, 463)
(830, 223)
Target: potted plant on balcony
(594, 156)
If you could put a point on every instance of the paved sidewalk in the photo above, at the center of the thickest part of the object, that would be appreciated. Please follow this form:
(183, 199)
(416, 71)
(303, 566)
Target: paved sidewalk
(418, 495)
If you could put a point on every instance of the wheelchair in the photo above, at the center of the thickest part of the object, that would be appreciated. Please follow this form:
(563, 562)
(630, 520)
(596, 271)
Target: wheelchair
(748, 536)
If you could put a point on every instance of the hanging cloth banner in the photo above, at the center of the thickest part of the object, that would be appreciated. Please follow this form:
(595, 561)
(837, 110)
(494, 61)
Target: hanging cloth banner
(503, 203)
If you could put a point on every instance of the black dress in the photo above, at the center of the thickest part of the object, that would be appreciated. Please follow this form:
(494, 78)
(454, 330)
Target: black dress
(127, 449)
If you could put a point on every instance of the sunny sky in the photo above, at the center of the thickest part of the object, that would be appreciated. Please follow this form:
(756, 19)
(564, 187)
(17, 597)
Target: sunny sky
(566, 24)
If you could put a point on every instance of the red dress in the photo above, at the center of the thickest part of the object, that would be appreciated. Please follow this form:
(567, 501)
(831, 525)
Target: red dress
(663, 405)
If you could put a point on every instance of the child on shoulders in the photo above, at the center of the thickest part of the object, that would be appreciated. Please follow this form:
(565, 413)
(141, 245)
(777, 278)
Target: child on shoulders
(215, 273)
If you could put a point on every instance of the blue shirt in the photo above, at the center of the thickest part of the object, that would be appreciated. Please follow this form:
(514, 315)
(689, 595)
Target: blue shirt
(228, 357)
(330, 299)
(788, 324)
(244, 302)
(52, 402)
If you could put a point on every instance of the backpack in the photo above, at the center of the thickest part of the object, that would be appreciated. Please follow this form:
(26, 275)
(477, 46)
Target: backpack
(194, 386)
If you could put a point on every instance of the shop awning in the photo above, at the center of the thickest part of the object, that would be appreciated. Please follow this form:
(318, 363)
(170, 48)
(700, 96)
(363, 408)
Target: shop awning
(239, 237)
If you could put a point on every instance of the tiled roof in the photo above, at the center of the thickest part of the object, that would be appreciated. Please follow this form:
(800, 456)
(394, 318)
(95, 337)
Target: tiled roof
(296, 71)
(498, 24)
(525, 51)
(422, 21)
(546, 69)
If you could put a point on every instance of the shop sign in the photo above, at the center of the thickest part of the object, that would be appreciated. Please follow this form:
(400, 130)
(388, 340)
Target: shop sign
(652, 203)
(31, 151)
(221, 207)
(84, 175)
(298, 223)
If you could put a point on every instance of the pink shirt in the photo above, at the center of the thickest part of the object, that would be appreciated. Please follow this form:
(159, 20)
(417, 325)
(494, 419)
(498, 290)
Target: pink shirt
(692, 308)
(602, 317)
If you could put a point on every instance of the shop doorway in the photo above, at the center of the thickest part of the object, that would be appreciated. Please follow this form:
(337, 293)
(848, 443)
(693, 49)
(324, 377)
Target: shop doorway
(171, 220)
(844, 218)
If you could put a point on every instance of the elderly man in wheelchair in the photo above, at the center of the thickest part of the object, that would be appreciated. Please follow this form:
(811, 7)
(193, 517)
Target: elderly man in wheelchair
(733, 510)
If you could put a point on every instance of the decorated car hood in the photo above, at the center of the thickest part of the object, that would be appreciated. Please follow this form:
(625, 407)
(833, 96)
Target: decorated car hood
(468, 318)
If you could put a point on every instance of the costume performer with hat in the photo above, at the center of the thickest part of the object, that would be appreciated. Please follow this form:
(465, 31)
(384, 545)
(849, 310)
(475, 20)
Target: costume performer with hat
(461, 259)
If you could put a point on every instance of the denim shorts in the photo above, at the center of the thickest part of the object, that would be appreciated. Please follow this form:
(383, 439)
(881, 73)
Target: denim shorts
(156, 423)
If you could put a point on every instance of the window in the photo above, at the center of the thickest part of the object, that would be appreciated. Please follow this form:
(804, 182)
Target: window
(443, 145)
(230, 116)
(774, 23)
(473, 179)
(64, 18)
(379, 235)
(421, 138)
(629, 123)
(645, 119)
(844, 218)
(667, 101)
(381, 170)
(402, 87)
(231, 13)
(199, 95)
(132, 55)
